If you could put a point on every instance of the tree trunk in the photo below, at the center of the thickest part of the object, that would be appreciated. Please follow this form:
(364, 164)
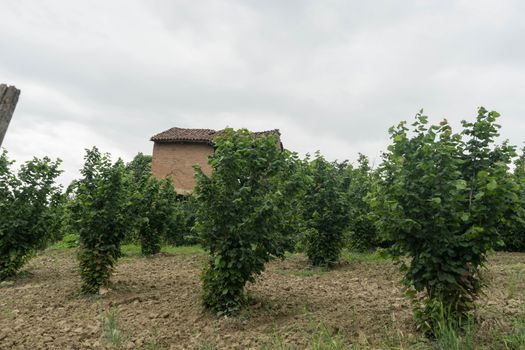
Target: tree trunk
(8, 100)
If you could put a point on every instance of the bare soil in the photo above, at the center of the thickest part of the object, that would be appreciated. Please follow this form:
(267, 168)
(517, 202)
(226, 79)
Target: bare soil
(156, 304)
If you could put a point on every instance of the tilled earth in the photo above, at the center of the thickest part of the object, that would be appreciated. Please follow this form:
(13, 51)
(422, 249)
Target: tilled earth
(155, 304)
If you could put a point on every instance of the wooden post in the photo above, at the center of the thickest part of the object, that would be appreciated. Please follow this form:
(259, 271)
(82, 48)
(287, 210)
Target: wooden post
(8, 100)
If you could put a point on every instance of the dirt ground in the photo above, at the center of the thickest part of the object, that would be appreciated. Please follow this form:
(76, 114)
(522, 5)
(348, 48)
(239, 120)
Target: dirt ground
(155, 304)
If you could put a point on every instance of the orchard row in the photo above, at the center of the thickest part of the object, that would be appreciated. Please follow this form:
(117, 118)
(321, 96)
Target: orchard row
(440, 201)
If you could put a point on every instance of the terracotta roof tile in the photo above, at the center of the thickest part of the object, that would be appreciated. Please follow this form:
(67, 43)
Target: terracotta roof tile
(181, 135)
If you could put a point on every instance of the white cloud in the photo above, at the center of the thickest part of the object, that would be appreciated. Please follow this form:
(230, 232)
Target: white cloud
(64, 140)
(332, 75)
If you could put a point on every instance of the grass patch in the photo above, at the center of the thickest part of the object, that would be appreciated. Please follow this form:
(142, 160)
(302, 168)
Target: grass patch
(515, 339)
(130, 249)
(324, 339)
(72, 241)
(309, 272)
(321, 339)
(372, 257)
(514, 286)
(306, 273)
(134, 249)
(69, 241)
(183, 250)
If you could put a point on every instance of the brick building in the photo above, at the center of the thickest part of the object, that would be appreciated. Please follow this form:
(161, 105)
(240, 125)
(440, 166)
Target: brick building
(176, 150)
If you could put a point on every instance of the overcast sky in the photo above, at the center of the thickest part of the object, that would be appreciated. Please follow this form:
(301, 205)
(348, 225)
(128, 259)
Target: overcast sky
(331, 75)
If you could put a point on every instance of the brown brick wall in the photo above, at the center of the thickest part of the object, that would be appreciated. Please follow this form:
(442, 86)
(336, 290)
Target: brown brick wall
(176, 160)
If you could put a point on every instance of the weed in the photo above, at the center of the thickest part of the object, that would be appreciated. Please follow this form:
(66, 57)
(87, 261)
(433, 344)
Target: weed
(111, 332)
(69, 241)
(314, 271)
(206, 344)
(305, 273)
(396, 339)
(453, 334)
(276, 342)
(321, 339)
(354, 321)
(244, 314)
(151, 343)
(324, 339)
(256, 302)
(515, 340)
(514, 283)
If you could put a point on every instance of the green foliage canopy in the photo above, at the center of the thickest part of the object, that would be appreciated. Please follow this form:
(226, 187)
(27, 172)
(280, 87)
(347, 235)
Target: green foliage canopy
(362, 232)
(440, 198)
(29, 202)
(101, 216)
(325, 211)
(181, 226)
(153, 204)
(512, 226)
(245, 213)
(157, 204)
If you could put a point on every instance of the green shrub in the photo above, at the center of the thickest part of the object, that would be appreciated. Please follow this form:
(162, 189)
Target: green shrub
(139, 167)
(158, 209)
(245, 215)
(63, 224)
(512, 225)
(153, 204)
(57, 225)
(139, 171)
(181, 226)
(70, 240)
(146, 219)
(101, 217)
(325, 211)
(29, 202)
(362, 232)
(441, 198)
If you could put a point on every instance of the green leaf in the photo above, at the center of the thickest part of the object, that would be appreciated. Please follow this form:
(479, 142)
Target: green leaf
(443, 276)
(461, 184)
(492, 185)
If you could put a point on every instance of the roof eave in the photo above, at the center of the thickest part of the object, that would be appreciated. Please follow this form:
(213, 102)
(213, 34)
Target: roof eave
(206, 142)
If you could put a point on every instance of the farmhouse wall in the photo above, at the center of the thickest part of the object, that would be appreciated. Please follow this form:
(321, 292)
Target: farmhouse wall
(176, 160)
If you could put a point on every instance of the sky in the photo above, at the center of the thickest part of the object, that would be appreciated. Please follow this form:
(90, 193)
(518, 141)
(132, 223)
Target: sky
(332, 75)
